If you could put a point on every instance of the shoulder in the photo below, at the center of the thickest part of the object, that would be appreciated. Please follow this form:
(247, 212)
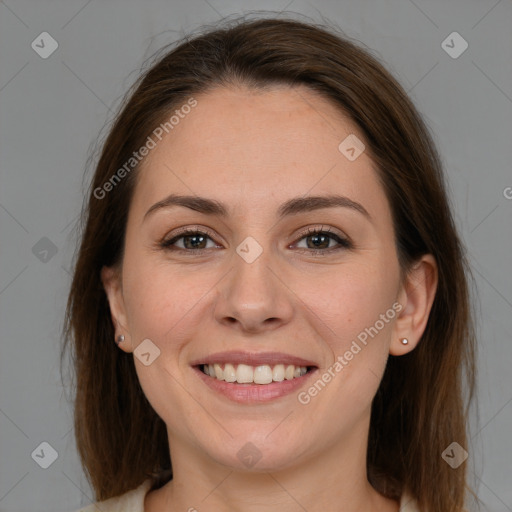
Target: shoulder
(132, 501)
(408, 503)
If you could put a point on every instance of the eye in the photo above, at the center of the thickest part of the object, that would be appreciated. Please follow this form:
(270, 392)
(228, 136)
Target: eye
(190, 239)
(318, 241)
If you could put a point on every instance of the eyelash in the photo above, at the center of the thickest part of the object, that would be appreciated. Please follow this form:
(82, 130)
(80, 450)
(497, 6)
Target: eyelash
(343, 242)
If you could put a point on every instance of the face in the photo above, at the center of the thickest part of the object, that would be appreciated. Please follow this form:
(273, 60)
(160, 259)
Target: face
(268, 281)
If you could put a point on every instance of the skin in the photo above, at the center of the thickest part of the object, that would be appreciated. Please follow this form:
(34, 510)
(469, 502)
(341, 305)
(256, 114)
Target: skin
(254, 150)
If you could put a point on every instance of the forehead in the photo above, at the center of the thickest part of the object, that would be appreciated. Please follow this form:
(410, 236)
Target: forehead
(271, 124)
(240, 144)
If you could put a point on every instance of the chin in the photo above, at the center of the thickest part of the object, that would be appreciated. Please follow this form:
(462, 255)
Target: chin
(255, 455)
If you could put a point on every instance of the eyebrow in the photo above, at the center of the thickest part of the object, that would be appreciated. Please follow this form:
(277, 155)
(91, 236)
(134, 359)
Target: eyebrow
(293, 206)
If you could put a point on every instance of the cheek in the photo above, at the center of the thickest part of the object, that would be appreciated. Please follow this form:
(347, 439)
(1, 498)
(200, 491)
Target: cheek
(358, 338)
(352, 300)
(155, 295)
(160, 304)
(361, 314)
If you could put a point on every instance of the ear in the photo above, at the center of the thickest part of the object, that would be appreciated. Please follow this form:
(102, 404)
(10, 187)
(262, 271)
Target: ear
(112, 283)
(416, 297)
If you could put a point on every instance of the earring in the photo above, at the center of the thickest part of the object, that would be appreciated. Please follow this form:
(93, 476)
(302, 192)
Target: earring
(120, 339)
(404, 341)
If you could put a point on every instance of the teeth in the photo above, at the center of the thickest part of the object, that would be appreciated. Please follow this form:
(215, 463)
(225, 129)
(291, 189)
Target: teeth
(218, 372)
(278, 373)
(245, 374)
(229, 373)
(263, 374)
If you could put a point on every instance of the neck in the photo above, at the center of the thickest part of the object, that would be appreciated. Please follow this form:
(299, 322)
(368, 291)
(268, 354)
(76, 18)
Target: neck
(335, 476)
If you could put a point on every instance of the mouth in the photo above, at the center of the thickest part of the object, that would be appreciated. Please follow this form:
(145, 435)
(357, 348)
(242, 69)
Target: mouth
(253, 378)
(246, 374)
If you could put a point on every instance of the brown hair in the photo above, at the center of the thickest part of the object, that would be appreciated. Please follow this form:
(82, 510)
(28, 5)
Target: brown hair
(420, 407)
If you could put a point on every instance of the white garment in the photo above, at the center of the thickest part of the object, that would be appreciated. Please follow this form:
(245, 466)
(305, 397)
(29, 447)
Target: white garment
(133, 501)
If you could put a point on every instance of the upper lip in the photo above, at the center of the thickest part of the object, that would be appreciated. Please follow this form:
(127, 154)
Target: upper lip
(253, 358)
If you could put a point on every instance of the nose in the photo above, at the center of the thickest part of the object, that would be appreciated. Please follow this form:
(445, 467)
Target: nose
(253, 297)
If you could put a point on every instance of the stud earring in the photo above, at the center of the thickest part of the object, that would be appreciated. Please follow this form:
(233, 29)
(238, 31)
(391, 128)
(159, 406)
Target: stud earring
(404, 341)
(120, 339)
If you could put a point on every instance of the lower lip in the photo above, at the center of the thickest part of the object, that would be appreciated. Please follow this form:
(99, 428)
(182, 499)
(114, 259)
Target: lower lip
(253, 393)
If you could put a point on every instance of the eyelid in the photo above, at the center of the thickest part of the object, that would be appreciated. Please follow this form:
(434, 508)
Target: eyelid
(344, 242)
(341, 238)
(187, 230)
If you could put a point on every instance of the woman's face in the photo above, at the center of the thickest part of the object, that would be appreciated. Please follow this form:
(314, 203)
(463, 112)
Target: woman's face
(257, 286)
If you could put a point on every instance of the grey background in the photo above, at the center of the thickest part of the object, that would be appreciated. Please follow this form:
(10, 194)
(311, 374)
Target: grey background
(53, 109)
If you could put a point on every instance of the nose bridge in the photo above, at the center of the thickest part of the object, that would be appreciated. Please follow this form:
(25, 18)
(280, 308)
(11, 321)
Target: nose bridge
(253, 295)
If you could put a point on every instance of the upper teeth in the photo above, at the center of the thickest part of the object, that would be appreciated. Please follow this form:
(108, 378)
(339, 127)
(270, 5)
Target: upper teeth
(245, 374)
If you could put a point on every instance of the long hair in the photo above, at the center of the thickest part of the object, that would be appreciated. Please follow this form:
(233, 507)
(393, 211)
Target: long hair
(422, 403)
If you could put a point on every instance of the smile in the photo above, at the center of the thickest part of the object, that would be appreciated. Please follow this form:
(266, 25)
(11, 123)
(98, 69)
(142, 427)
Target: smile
(245, 374)
(249, 377)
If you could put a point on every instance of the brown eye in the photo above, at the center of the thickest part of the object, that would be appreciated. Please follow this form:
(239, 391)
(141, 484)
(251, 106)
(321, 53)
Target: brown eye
(319, 240)
(189, 240)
